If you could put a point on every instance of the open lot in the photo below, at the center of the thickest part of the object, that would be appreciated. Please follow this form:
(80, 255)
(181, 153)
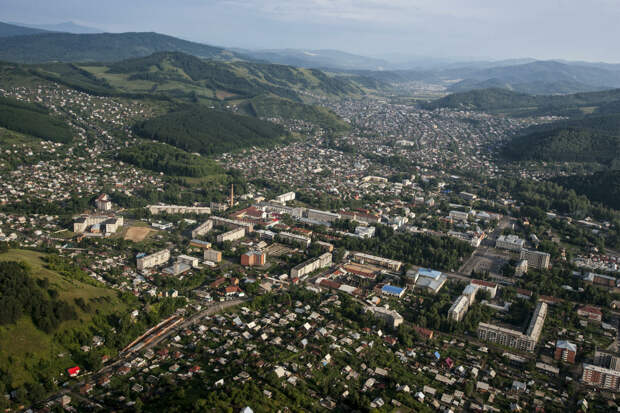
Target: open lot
(137, 234)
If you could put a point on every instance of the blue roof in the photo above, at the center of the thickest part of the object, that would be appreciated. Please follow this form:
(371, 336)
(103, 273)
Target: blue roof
(437, 355)
(392, 289)
(427, 272)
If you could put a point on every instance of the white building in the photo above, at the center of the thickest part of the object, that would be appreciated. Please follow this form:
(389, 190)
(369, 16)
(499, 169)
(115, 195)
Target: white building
(148, 261)
(459, 308)
(289, 196)
(509, 242)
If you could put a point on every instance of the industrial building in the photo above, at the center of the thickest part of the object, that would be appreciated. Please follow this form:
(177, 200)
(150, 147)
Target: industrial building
(393, 290)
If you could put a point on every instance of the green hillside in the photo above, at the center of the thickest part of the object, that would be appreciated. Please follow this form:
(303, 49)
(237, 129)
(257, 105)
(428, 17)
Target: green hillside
(32, 120)
(207, 131)
(168, 159)
(271, 107)
(497, 100)
(30, 344)
(603, 187)
(591, 139)
(100, 47)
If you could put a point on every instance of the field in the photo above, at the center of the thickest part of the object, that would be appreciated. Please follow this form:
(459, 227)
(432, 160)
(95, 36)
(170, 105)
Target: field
(22, 345)
(137, 234)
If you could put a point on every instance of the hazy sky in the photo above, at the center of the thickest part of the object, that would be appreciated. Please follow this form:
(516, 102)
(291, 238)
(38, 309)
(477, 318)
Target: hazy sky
(569, 29)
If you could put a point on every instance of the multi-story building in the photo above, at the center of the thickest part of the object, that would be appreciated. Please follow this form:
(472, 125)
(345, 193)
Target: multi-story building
(591, 313)
(390, 316)
(213, 255)
(147, 261)
(371, 259)
(289, 196)
(232, 235)
(202, 229)
(601, 377)
(536, 259)
(178, 209)
(196, 243)
(110, 224)
(322, 216)
(291, 238)
(491, 287)
(232, 223)
(103, 202)
(189, 260)
(565, 351)
(510, 242)
(253, 258)
(459, 308)
(513, 338)
(521, 268)
(306, 267)
(459, 216)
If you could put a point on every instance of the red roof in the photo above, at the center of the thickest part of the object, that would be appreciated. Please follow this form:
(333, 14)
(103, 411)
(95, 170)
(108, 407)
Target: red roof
(73, 371)
(231, 289)
(484, 283)
(330, 284)
(591, 309)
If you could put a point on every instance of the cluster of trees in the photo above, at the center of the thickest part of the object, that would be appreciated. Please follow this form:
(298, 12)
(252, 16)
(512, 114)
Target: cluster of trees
(207, 131)
(425, 250)
(603, 186)
(33, 120)
(169, 160)
(21, 296)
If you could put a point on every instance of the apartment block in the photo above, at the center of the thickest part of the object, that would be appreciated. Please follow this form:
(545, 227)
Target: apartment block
(147, 261)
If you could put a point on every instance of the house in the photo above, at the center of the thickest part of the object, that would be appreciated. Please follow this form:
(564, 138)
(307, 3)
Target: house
(73, 371)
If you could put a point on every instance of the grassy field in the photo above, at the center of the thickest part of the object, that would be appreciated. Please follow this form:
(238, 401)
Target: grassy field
(22, 345)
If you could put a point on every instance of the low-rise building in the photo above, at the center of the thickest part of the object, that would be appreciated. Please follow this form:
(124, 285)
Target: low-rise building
(213, 255)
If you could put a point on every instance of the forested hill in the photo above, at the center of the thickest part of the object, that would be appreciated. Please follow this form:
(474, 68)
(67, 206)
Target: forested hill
(7, 30)
(499, 100)
(603, 187)
(33, 120)
(100, 47)
(206, 131)
(591, 139)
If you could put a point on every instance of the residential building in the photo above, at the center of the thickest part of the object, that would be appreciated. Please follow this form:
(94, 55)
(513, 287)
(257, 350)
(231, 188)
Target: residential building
(521, 268)
(232, 235)
(371, 259)
(565, 351)
(459, 308)
(202, 229)
(232, 223)
(103, 202)
(178, 209)
(189, 260)
(177, 268)
(390, 316)
(487, 286)
(253, 258)
(322, 216)
(147, 261)
(513, 338)
(109, 224)
(291, 238)
(601, 377)
(196, 243)
(591, 313)
(459, 216)
(311, 265)
(365, 232)
(536, 259)
(289, 196)
(213, 255)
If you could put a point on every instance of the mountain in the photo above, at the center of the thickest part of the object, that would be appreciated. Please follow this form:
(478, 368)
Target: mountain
(502, 100)
(328, 59)
(102, 47)
(8, 30)
(64, 27)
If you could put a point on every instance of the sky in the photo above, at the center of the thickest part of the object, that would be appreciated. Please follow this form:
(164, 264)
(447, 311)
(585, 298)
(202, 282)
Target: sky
(485, 29)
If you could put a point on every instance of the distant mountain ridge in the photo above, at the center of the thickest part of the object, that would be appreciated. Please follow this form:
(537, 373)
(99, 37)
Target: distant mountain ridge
(102, 47)
(318, 59)
(8, 30)
(64, 27)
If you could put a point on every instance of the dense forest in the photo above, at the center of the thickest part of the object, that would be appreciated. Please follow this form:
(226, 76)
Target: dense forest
(33, 120)
(168, 159)
(603, 187)
(21, 295)
(522, 104)
(207, 131)
(591, 139)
